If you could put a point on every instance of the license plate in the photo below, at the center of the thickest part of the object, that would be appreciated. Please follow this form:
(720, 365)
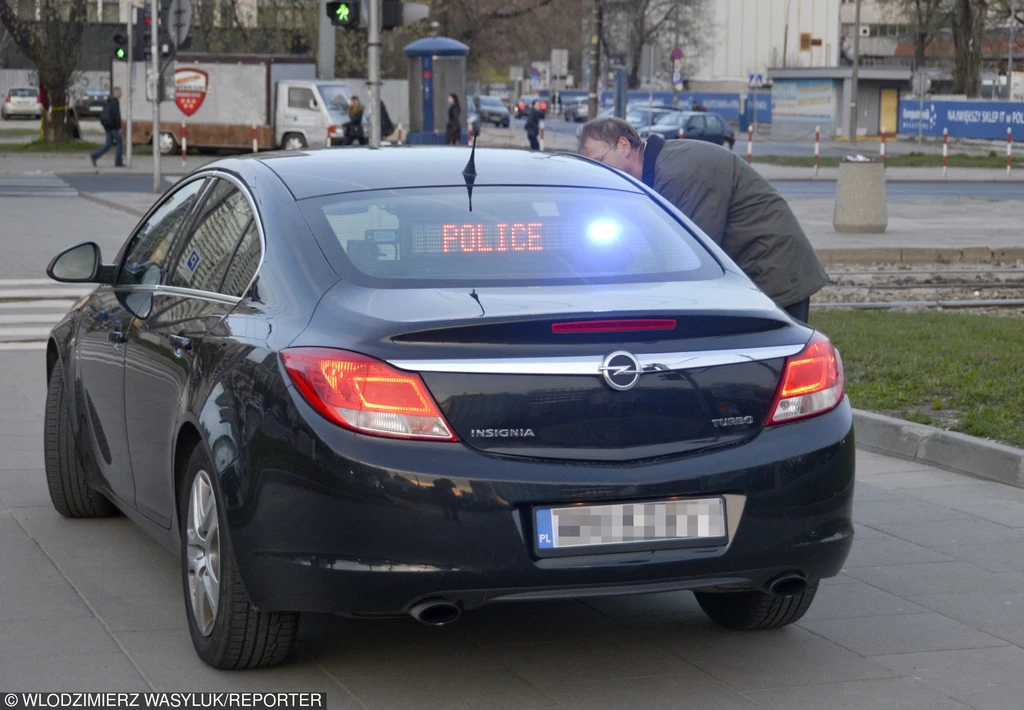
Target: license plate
(700, 519)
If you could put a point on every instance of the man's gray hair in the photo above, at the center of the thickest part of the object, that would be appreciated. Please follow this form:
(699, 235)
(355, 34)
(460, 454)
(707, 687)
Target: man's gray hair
(608, 129)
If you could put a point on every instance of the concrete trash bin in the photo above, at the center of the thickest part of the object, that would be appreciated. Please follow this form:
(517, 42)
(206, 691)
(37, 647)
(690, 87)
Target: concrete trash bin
(860, 198)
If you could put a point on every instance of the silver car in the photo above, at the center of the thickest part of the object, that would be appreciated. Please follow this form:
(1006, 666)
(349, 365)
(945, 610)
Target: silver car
(22, 101)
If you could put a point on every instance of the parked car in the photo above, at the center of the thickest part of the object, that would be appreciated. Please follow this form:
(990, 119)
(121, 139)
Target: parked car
(523, 107)
(577, 110)
(22, 101)
(699, 126)
(493, 110)
(90, 103)
(335, 382)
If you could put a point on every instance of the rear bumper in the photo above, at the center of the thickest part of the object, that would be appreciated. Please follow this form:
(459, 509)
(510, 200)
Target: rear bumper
(328, 521)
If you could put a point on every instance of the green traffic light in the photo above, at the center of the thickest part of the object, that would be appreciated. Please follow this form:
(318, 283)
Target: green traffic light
(342, 12)
(120, 54)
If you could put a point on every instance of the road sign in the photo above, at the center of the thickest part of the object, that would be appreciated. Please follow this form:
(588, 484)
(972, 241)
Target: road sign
(756, 81)
(677, 78)
(677, 54)
(178, 20)
(559, 62)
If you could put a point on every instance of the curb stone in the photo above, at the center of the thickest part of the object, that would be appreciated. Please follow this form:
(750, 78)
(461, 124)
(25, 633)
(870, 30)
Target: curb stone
(918, 255)
(948, 450)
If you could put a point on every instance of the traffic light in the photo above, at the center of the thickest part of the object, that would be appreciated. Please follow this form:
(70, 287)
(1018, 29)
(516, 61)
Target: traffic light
(120, 46)
(142, 38)
(395, 13)
(345, 13)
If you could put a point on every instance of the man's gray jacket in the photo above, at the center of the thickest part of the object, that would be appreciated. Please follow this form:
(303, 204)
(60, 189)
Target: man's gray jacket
(740, 211)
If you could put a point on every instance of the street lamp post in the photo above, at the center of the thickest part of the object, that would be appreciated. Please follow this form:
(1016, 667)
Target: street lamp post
(853, 78)
(1009, 57)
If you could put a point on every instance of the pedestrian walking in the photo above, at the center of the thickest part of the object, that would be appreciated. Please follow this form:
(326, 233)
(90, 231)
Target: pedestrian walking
(354, 132)
(110, 119)
(453, 129)
(533, 126)
(727, 198)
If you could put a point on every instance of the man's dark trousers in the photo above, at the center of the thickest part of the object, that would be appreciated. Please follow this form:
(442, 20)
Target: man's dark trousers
(113, 136)
(534, 143)
(801, 310)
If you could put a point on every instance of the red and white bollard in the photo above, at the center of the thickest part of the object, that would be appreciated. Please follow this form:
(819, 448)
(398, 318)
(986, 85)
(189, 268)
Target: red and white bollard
(817, 148)
(399, 134)
(184, 144)
(945, 149)
(750, 144)
(681, 133)
(881, 148)
(1009, 149)
(542, 136)
(255, 140)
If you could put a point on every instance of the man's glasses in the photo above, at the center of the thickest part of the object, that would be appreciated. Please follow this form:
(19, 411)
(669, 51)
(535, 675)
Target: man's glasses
(600, 159)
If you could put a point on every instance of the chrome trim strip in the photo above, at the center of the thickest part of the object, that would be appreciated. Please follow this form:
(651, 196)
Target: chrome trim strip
(589, 364)
(184, 292)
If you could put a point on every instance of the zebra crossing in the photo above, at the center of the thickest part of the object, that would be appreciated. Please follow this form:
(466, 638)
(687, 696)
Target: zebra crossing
(38, 184)
(29, 308)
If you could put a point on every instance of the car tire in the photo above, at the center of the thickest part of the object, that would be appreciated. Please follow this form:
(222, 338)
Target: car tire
(69, 490)
(748, 611)
(234, 635)
(168, 143)
(293, 141)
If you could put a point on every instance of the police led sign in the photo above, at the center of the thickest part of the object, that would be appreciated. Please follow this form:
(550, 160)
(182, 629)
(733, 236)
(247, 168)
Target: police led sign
(488, 238)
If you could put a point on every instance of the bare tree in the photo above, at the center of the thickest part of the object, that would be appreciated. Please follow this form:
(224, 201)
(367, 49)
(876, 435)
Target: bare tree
(927, 18)
(53, 44)
(969, 19)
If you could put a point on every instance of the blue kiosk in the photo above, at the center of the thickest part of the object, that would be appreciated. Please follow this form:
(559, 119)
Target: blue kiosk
(437, 67)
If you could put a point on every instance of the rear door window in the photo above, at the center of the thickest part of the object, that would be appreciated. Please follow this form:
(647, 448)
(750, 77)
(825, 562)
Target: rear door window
(513, 235)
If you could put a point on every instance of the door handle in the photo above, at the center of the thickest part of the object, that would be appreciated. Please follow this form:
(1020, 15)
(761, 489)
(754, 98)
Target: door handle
(117, 337)
(182, 342)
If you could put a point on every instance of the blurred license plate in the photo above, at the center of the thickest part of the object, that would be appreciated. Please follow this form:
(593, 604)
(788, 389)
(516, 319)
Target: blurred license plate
(630, 523)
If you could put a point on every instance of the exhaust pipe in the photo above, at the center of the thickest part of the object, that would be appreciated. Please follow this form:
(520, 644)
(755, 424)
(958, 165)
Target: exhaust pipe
(788, 585)
(436, 612)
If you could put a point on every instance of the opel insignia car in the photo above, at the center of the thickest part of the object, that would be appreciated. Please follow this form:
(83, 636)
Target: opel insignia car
(413, 381)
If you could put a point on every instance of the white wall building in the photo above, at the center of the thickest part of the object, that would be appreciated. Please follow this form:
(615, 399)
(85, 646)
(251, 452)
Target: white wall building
(749, 36)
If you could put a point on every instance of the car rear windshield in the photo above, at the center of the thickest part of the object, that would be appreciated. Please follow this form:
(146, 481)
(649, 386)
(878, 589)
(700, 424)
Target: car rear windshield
(32, 93)
(428, 237)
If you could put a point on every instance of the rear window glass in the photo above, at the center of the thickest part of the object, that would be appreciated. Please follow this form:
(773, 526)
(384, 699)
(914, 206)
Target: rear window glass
(514, 235)
(31, 93)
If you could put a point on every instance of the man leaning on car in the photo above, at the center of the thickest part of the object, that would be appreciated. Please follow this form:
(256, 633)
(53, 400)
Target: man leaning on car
(729, 200)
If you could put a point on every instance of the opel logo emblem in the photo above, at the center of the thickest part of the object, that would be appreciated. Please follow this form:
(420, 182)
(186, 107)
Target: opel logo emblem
(621, 370)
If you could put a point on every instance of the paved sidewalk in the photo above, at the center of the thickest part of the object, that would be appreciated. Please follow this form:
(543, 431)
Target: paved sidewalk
(927, 614)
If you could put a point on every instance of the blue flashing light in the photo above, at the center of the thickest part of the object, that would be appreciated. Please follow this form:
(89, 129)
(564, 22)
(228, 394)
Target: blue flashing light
(603, 231)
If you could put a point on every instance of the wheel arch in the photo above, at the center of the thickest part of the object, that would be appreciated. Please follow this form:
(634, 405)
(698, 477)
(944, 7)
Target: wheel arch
(185, 442)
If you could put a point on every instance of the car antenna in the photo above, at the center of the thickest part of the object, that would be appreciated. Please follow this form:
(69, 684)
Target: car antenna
(469, 173)
(472, 294)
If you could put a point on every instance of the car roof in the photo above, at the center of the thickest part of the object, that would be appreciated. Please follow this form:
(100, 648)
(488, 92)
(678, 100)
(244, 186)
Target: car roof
(315, 173)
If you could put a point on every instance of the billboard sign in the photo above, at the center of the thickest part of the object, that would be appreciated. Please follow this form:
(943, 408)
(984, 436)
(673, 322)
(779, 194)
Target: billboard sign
(810, 100)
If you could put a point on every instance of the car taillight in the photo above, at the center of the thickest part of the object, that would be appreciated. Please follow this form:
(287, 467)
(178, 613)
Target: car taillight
(522, 105)
(544, 106)
(811, 383)
(7, 99)
(366, 395)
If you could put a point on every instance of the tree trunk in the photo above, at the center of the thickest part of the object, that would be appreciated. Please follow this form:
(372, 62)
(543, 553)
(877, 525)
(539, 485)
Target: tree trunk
(968, 31)
(920, 45)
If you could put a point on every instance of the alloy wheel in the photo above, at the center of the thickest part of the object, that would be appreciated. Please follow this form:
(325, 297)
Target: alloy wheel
(203, 553)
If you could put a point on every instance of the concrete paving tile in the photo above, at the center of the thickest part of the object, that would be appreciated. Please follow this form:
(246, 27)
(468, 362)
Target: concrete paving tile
(935, 578)
(909, 633)
(53, 599)
(991, 501)
(586, 660)
(987, 678)
(987, 610)
(49, 527)
(887, 694)
(24, 489)
(54, 637)
(930, 478)
(22, 459)
(84, 672)
(888, 550)
(994, 556)
(169, 661)
(645, 604)
(872, 464)
(952, 532)
(1013, 633)
(397, 655)
(456, 689)
(837, 580)
(865, 532)
(685, 692)
(868, 493)
(845, 601)
(764, 659)
(142, 613)
(537, 622)
(96, 578)
(910, 510)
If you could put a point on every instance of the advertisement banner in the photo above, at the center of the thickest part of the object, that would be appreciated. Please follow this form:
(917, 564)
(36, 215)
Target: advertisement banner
(964, 119)
(809, 100)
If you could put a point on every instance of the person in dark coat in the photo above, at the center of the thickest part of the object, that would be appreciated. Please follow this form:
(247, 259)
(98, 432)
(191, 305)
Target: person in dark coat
(354, 132)
(727, 198)
(533, 126)
(110, 119)
(453, 129)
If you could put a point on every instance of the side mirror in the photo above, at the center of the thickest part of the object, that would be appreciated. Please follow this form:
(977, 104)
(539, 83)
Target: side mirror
(79, 264)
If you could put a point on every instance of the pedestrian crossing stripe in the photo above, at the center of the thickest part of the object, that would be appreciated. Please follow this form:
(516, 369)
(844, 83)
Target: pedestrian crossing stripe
(29, 308)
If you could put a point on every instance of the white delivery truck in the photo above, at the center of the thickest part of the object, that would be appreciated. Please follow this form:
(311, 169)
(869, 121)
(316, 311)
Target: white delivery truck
(229, 101)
